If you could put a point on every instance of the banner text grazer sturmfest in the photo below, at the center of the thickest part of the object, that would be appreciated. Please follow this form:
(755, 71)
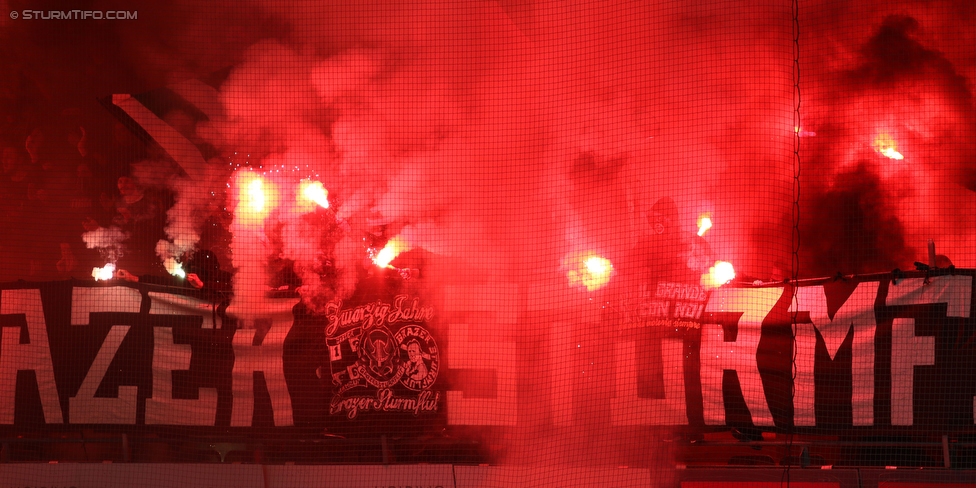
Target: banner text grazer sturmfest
(870, 352)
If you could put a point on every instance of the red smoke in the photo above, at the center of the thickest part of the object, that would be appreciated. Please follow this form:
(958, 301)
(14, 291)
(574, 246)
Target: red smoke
(500, 136)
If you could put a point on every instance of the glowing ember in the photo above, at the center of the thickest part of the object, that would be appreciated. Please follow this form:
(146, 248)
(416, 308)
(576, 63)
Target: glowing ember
(104, 273)
(886, 145)
(588, 270)
(174, 267)
(718, 275)
(704, 223)
(314, 191)
(389, 252)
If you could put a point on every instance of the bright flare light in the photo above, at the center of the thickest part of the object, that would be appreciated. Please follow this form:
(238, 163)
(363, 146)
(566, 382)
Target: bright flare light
(885, 145)
(255, 195)
(718, 275)
(704, 223)
(104, 273)
(389, 252)
(588, 270)
(314, 191)
(174, 268)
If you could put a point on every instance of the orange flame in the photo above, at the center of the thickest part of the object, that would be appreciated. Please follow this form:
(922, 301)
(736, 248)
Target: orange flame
(389, 252)
(704, 223)
(886, 145)
(315, 192)
(255, 194)
(256, 197)
(719, 274)
(588, 270)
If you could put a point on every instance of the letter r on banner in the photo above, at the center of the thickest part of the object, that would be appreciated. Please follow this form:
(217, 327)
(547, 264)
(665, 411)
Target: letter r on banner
(719, 355)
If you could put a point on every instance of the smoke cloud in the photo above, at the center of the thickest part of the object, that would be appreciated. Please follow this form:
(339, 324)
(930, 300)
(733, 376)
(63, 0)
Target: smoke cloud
(503, 137)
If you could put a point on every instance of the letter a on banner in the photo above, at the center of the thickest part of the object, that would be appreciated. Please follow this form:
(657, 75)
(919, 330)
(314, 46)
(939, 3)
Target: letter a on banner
(35, 355)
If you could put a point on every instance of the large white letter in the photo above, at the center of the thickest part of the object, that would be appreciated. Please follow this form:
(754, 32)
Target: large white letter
(719, 355)
(907, 351)
(162, 408)
(85, 408)
(955, 291)
(856, 313)
(494, 355)
(626, 408)
(266, 358)
(33, 356)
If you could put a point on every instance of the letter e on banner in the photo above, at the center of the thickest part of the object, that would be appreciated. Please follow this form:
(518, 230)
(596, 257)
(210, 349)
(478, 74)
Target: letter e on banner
(162, 408)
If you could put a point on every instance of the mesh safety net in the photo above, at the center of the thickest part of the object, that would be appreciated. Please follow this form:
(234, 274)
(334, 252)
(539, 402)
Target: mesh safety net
(486, 243)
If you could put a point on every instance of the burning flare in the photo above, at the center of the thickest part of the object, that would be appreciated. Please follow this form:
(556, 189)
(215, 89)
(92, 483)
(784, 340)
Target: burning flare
(389, 252)
(255, 195)
(588, 270)
(104, 273)
(886, 145)
(315, 192)
(704, 223)
(174, 267)
(719, 274)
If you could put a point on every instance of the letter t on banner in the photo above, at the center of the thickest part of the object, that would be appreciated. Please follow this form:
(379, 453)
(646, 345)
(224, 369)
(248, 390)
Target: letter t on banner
(497, 356)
